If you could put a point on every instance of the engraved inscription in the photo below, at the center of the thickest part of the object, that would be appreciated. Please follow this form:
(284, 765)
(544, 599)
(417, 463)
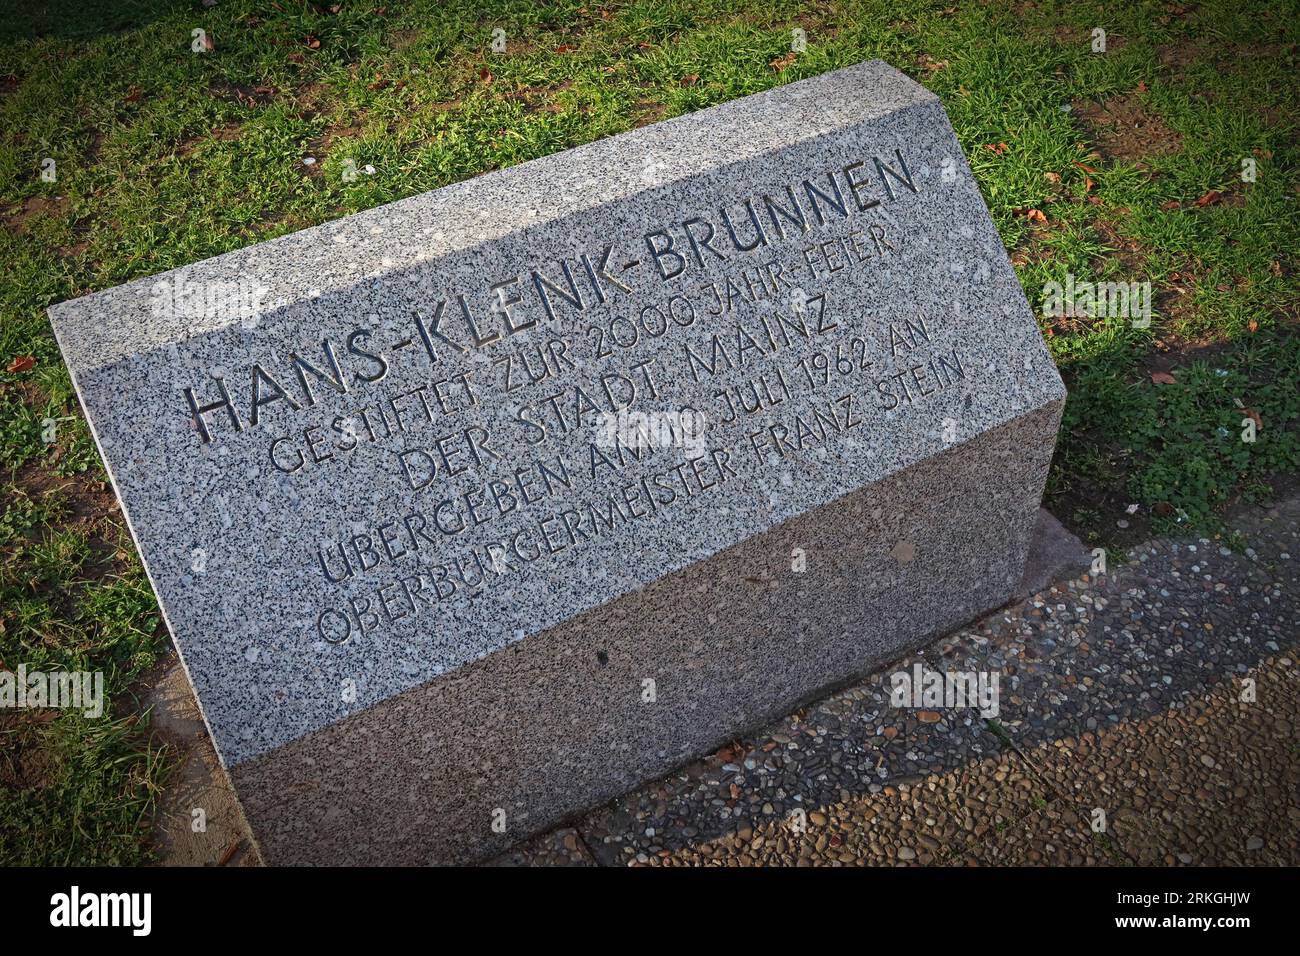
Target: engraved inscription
(488, 403)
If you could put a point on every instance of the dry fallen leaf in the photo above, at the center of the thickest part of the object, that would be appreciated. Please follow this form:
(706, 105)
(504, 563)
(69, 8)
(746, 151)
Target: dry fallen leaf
(485, 75)
(21, 363)
(1210, 198)
(565, 48)
(1036, 215)
(1252, 325)
(1170, 204)
(1084, 166)
(1255, 417)
(313, 42)
(1052, 177)
(781, 62)
(1163, 378)
(998, 148)
(690, 79)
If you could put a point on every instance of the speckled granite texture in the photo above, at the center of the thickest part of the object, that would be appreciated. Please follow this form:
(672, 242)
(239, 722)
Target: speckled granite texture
(414, 584)
(560, 721)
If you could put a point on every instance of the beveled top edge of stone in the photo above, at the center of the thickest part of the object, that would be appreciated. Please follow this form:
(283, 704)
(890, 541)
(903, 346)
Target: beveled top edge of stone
(486, 207)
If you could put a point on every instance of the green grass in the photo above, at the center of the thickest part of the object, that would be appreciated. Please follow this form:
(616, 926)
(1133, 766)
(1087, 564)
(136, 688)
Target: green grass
(165, 156)
(73, 789)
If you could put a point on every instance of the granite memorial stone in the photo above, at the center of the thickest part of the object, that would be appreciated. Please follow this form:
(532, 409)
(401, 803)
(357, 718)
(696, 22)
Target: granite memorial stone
(474, 510)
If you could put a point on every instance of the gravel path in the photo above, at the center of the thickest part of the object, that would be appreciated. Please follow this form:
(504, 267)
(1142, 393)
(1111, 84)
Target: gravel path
(1147, 714)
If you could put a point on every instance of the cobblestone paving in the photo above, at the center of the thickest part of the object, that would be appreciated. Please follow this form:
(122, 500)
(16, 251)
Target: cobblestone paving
(1161, 693)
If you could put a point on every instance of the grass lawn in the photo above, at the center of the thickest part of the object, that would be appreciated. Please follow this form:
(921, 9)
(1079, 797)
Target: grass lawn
(1117, 166)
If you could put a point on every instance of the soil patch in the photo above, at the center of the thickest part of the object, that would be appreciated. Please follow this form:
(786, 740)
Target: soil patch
(17, 217)
(1125, 130)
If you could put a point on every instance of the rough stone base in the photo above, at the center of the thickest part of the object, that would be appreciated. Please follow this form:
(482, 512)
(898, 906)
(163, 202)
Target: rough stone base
(558, 723)
(220, 836)
(1053, 551)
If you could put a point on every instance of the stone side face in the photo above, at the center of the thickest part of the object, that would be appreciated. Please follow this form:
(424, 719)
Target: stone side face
(555, 724)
